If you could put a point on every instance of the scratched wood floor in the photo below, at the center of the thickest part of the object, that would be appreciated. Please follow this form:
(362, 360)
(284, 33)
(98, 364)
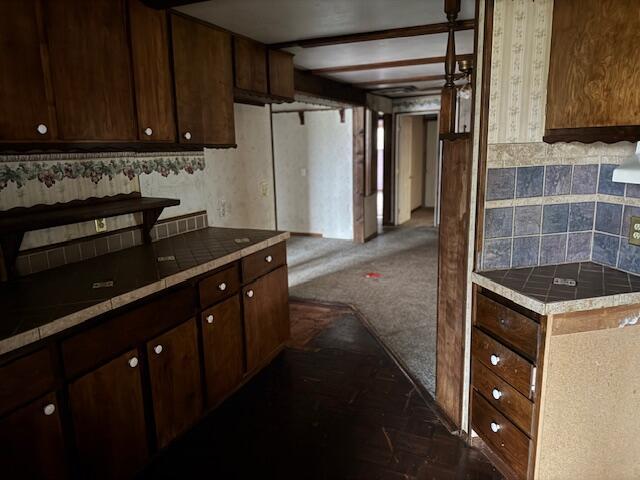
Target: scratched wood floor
(333, 405)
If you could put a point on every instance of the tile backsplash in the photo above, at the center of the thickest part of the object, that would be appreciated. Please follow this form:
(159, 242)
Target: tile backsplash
(557, 213)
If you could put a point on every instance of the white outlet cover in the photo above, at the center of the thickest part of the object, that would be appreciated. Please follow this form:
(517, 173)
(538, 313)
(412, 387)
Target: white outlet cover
(303, 172)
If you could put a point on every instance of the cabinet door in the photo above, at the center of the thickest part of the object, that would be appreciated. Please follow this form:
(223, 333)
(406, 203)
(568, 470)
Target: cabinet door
(266, 316)
(281, 74)
(204, 82)
(250, 61)
(32, 442)
(223, 349)
(176, 385)
(90, 69)
(26, 109)
(108, 417)
(152, 72)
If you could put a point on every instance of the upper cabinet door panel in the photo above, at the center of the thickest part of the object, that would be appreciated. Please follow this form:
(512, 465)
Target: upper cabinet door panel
(281, 74)
(593, 73)
(91, 71)
(26, 110)
(152, 73)
(203, 73)
(250, 60)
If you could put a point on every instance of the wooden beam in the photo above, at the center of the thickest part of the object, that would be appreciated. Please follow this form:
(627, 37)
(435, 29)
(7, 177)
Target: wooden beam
(377, 35)
(306, 82)
(163, 4)
(448, 98)
(423, 78)
(393, 64)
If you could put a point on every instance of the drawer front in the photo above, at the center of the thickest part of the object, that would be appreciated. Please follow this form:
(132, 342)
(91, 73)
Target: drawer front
(219, 286)
(502, 361)
(504, 439)
(259, 263)
(25, 379)
(503, 396)
(511, 327)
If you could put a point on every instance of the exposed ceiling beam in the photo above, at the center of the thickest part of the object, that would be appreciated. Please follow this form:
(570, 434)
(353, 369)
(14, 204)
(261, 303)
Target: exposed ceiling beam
(162, 4)
(307, 83)
(376, 66)
(391, 81)
(377, 35)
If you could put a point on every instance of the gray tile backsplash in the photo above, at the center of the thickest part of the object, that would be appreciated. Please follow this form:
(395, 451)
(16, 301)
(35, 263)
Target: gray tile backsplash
(579, 247)
(555, 218)
(553, 249)
(528, 220)
(525, 251)
(529, 181)
(498, 222)
(581, 216)
(605, 249)
(497, 254)
(585, 179)
(608, 186)
(501, 183)
(608, 218)
(557, 180)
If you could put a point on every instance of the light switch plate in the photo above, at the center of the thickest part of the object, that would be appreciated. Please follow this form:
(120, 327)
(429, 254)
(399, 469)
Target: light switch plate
(634, 231)
(101, 225)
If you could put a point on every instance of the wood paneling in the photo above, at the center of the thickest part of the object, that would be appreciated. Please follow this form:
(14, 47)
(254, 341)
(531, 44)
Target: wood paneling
(281, 74)
(388, 171)
(250, 65)
(108, 419)
(259, 263)
(25, 95)
(223, 349)
(359, 154)
(371, 161)
(203, 70)
(13, 388)
(152, 73)
(452, 272)
(266, 316)
(32, 441)
(176, 386)
(91, 69)
(593, 74)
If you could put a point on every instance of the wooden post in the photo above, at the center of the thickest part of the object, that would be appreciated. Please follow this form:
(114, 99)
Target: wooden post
(448, 99)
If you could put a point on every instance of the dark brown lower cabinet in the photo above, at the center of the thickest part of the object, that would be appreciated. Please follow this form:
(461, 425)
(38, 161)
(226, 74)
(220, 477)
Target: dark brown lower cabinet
(223, 349)
(108, 419)
(176, 386)
(266, 316)
(32, 441)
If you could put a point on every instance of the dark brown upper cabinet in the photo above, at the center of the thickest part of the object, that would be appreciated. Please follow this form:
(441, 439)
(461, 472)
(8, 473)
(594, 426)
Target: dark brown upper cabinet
(26, 103)
(203, 72)
(250, 61)
(593, 82)
(91, 69)
(152, 73)
(281, 74)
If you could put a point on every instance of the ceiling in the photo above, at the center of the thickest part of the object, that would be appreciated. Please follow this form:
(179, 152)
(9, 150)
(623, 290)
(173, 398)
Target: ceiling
(288, 21)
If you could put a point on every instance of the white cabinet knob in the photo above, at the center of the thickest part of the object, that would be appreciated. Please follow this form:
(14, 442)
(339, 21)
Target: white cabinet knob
(495, 427)
(157, 349)
(222, 287)
(148, 132)
(495, 359)
(42, 129)
(496, 393)
(209, 318)
(133, 362)
(250, 294)
(49, 409)
(187, 135)
(268, 259)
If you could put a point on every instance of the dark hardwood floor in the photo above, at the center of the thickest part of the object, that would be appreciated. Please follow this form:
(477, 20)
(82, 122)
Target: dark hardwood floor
(333, 405)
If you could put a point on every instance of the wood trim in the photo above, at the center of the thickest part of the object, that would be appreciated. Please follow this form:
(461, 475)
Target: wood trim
(388, 171)
(97, 147)
(307, 83)
(391, 81)
(485, 92)
(628, 133)
(430, 29)
(394, 64)
(359, 153)
(597, 319)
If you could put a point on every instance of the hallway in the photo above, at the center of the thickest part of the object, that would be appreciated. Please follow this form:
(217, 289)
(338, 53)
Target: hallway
(400, 304)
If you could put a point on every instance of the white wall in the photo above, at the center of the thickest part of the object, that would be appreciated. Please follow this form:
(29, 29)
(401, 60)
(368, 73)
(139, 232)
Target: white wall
(431, 172)
(314, 173)
(417, 161)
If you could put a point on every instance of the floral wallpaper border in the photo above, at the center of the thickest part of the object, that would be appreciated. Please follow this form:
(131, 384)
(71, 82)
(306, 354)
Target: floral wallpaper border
(49, 172)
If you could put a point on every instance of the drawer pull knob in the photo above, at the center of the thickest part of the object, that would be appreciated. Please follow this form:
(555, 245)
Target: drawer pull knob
(42, 129)
(495, 428)
(496, 394)
(148, 131)
(187, 135)
(495, 359)
(222, 287)
(209, 318)
(250, 294)
(133, 362)
(268, 259)
(49, 409)
(157, 349)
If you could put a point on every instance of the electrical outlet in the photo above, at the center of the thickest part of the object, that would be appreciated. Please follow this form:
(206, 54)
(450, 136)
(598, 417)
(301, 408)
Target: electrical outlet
(222, 209)
(634, 231)
(101, 225)
(264, 188)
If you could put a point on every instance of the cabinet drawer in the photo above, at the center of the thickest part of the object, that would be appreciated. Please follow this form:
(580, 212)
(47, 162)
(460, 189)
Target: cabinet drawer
(502, 436)
(263, 262)
(511, 327)
(219, 286)
(15, 389)
(503, 396)
(502, 361)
